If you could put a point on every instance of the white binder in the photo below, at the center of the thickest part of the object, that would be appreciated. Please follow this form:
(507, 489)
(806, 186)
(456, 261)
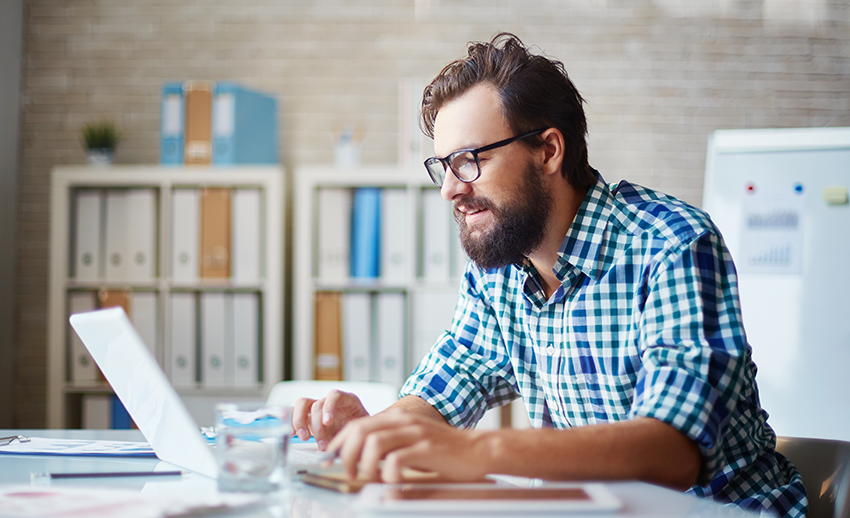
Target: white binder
(334, 234)
(390, 325)
(116, 235)
(213, 339)
(436, 225)
(246, 339)
(433, 311)
(87, 258)
(183, 340)
(143, 314)
(185, 232)
(356, 336)
(83, 368)
(395, 260)
(141, 235)
(245, 257)
(97, 412)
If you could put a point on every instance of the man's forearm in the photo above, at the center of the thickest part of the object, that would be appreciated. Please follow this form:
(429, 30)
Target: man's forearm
(416, 405)
(642, 449)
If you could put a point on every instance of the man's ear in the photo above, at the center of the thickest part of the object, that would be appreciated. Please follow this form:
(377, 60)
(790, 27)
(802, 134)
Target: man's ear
(553, 150)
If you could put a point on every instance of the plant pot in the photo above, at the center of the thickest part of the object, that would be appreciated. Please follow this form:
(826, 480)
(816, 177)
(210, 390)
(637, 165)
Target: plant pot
(100, 156)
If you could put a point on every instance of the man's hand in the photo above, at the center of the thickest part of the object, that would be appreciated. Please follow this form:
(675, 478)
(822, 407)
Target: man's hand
(407, 440)
(324, 418)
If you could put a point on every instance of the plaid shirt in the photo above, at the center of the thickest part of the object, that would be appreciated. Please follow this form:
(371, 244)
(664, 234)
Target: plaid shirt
(646, 323)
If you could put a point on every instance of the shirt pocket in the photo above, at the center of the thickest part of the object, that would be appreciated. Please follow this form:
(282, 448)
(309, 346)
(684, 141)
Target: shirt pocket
(592, 395)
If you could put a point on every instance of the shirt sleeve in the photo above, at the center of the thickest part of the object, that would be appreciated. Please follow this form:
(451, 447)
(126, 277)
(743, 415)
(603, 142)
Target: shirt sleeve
(467, 371)
(693, 347)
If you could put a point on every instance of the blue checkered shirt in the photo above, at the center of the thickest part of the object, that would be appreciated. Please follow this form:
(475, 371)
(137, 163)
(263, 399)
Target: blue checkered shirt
(646, 323)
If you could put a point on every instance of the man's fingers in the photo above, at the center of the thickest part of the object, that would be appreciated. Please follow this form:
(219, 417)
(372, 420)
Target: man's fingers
(378, 444)
(301, 417)
(418, 455)
(350, 441)
(332, 400)
(316, 426)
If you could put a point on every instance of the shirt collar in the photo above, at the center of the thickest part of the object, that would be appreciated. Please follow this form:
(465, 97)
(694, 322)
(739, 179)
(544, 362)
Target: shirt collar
(582, 245)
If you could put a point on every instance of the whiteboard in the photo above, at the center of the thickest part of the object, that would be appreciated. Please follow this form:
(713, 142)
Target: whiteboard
(776, 196)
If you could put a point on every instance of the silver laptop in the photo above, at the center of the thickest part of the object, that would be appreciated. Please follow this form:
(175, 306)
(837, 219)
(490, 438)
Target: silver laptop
(141, 385)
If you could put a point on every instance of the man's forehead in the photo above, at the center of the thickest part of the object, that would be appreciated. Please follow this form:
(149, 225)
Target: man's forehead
(472, 119)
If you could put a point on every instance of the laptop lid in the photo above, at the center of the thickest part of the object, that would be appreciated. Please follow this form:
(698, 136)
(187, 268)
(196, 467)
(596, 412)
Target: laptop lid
(141, 385)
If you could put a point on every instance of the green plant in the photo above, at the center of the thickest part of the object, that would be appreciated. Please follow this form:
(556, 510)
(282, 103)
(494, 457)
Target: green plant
(100, 135)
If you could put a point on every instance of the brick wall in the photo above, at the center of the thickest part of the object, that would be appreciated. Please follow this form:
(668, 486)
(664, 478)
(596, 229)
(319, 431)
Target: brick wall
(658, 76)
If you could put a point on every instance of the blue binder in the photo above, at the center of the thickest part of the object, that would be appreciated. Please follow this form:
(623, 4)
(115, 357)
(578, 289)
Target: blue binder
(244, 126)
(121, 419)
(366, 232)
(172, 124)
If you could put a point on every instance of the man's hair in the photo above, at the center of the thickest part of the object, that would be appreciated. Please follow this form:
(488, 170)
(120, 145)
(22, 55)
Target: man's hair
(536, 93)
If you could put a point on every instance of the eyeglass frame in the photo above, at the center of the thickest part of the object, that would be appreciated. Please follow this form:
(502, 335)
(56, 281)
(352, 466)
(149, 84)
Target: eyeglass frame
(445, 162)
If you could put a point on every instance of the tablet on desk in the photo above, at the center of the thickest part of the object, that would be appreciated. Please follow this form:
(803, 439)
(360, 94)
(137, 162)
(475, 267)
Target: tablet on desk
(487, 498)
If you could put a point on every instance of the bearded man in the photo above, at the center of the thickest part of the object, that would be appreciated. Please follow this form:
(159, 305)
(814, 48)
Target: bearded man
(612, 310)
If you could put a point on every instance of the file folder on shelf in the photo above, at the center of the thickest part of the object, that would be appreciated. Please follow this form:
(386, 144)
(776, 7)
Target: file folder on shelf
(390, 324)
(356, 336)
(87, 235)
(143, 314)
(117, 222)
(83, 368)
(172, 124)
(183, 340)
(247, 207)
(215, 233)
(198, 148)
(328, 336)
(141, 207)
(244, 125)
(185, 234)
(334, 237)
(395, 260)
(436, 226)
(366, 233)
(97, 412)
(110, 298)
(246, 339)
(214, 337)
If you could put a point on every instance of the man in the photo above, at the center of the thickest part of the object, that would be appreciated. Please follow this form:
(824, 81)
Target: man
(612, 310)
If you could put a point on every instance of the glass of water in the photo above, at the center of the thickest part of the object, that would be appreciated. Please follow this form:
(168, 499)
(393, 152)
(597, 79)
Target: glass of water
(251, 445)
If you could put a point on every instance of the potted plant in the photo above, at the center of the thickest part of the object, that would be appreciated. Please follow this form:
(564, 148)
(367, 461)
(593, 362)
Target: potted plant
(100, 140)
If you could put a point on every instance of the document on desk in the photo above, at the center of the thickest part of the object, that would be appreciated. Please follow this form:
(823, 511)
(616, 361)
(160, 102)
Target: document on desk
(66, 502)
(76, 447)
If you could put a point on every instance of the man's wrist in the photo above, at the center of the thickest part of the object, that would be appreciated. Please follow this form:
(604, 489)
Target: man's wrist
(489, 450)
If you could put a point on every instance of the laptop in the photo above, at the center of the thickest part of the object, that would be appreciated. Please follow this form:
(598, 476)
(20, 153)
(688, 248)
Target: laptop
(150, 399)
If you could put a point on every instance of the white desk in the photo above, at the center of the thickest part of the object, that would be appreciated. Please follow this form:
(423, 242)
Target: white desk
(639, 499)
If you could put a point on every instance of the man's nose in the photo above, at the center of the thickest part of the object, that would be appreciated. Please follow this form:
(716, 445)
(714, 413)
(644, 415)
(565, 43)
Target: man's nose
(452, 187)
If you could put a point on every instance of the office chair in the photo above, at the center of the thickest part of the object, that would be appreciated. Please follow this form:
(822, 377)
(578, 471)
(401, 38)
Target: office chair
(374, 396)
(825, 467)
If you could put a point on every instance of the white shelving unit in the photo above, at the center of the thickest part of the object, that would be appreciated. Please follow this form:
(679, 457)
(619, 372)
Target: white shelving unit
(64, 394)
(307, 282)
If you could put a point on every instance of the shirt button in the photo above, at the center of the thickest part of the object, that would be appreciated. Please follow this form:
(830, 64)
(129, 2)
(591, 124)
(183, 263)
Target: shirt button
(550, 350)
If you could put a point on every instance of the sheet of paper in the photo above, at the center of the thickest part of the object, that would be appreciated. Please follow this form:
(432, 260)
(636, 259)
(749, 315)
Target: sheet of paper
(74, 502)
(42, 446)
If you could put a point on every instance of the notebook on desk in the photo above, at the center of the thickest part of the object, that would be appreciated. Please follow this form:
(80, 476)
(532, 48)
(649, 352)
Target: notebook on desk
(141, 385)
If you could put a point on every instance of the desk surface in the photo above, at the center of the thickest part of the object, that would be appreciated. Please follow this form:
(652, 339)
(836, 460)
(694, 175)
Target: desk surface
(639, 499)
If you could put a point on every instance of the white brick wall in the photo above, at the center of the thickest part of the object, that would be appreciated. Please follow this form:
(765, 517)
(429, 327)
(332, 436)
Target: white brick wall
(658, 76)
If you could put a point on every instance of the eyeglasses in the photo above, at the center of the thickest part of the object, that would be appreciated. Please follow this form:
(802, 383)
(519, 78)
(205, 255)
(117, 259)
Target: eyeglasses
(464, 163)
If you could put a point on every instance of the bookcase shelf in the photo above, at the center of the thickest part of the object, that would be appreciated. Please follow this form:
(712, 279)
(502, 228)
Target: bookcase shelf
(421, 324)
(262, 293)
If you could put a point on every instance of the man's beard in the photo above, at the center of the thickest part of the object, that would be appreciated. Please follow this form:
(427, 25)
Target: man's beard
(518, 227)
